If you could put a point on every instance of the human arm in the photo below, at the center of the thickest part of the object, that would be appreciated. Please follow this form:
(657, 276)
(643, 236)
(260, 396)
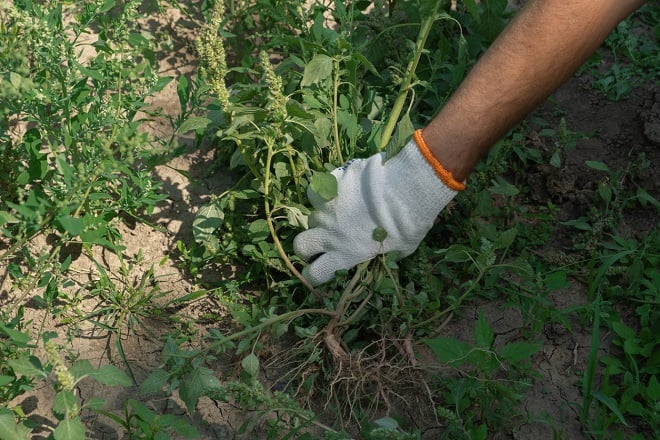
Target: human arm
(545, 43)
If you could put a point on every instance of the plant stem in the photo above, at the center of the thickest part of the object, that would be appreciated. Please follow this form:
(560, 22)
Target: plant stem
(335, 106)
(288, 316)
(269, 220)
(424, 31)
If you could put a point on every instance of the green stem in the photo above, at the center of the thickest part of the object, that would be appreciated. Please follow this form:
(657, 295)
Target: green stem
(271, 226)
(288, 316)
(424, 31)
(335, 106)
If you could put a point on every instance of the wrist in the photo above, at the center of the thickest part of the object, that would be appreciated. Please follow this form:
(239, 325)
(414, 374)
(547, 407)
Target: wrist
(446, 174)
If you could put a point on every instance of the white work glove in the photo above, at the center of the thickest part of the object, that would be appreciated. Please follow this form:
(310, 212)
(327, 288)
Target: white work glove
(403, 196)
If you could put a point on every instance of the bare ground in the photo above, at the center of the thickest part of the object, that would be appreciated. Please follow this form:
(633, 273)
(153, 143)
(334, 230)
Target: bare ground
(625, 126)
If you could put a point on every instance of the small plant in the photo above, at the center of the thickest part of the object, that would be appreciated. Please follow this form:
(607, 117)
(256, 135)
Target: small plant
(479, 401)
(64, 379)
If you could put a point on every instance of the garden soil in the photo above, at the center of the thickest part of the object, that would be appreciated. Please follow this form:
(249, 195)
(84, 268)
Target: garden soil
(626, 128)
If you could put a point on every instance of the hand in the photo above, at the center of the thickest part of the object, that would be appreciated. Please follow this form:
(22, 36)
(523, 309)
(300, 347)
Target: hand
(401, 196)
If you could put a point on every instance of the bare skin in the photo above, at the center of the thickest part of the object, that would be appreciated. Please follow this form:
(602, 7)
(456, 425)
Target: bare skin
(540, 49)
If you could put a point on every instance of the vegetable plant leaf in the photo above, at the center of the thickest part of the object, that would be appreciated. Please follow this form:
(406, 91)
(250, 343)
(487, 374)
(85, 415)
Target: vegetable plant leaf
(111, 375)
(207, 221)
(70, 429)
(318, 69)
(30, 367)
(449, 350)
(65, 403)
(324, 184)
(10, 429)
(193, 123)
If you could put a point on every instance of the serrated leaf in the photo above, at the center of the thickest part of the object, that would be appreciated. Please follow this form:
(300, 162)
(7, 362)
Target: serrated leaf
(208, 219)
(458, 254)
(81, 369)
(318, 69)
(155, 382)
(250, 364)
(65, 403)
(193, 386)
(111, 375)
(70, 429)
(449, 350)
(324, 184)
(29, 367)
(505, 239)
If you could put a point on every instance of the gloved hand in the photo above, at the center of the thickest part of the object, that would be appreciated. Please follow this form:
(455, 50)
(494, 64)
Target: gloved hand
(403, 196)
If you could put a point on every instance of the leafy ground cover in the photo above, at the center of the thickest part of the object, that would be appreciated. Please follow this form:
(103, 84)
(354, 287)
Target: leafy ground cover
(155, 165)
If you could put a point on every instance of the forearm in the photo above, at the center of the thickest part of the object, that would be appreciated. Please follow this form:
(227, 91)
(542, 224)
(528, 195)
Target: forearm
(542, 47)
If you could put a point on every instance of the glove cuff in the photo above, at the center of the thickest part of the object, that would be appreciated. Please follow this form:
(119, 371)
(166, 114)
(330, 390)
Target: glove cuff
(443, 174)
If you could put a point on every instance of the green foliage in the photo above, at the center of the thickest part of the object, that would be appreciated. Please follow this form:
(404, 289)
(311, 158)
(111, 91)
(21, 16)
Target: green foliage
(70, 135)
(480, 398)
(634, 55)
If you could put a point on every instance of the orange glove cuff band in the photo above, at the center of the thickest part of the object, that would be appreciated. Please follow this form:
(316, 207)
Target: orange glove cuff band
(444, 175)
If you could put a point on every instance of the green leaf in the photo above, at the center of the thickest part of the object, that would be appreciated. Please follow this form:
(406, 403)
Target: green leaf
(208, 219)
(65, 403)
(81, 369)
(518, 351)
(6, 217)
(193, 386)
(111, 375)
(183, 91)
(653, 389)
(387, 423)
(596, 165)
(449, 350)
(457, 253)
(29, 367)
(324, 184)
(10, 429)
(250, 364)
(72, 225)
(259, 230)
(505, 239)
(318, 69)
(70, 429)
(379, 234)
(193, 123)
(19, 338)
(502, 187)
(611, 404)
(296, 217)
(483, 334)
(155, 382)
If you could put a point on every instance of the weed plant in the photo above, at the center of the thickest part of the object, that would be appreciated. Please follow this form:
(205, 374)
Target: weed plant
(287, 91)
(74, 162)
